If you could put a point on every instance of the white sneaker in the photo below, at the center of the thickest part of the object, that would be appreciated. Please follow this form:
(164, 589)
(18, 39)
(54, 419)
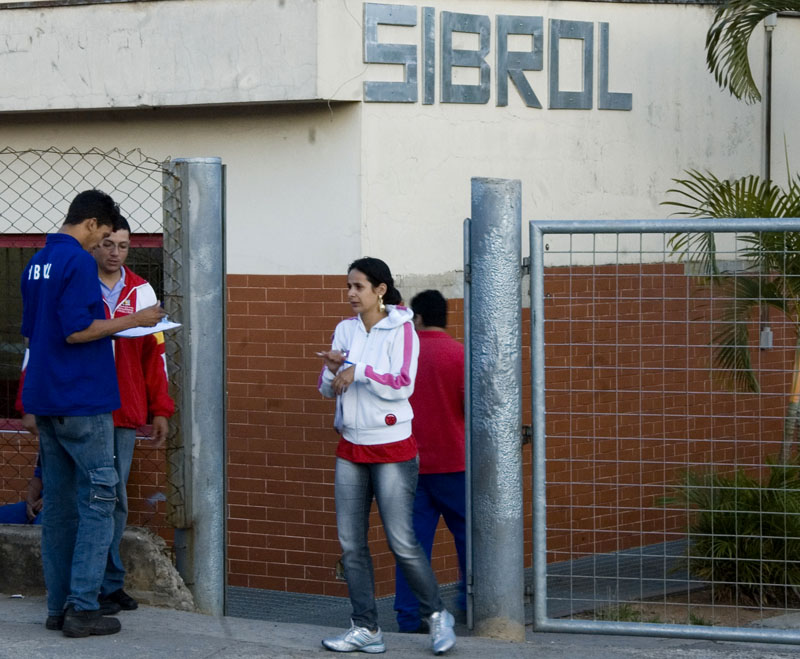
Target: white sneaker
(441, 631)
(357, 639)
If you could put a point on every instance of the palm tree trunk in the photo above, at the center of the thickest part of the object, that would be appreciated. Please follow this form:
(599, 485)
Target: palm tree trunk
(792, 419)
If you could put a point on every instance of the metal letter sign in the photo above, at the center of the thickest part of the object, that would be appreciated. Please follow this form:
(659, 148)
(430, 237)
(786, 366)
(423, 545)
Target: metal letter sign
(452, 93)
(608, 100)
(581, 100)
(389, 53)
(510, 64)
(428, 54)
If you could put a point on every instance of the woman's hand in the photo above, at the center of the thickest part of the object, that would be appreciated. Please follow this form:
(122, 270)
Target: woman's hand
(333, 359)
(342, 381)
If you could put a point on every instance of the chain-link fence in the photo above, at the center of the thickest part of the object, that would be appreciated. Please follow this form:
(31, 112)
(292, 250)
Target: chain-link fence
(36, 187)
(669, 503)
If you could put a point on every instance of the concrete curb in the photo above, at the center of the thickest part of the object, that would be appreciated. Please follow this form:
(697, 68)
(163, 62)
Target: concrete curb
(151, 577)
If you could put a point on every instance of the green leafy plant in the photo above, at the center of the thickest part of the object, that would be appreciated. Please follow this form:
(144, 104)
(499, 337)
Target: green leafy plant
(727, 40)
(744, 531)
(623, 612)
(695, 619)
(769, 276)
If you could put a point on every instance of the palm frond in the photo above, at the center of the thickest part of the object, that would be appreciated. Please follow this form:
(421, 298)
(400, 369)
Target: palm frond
(727, 40)
(732, 338)
(706, 195)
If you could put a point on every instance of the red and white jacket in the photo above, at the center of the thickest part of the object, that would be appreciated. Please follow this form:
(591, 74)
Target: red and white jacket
(141, 362)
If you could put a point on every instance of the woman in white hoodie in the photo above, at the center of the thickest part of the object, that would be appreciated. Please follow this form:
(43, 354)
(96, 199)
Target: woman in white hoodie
(370, 370)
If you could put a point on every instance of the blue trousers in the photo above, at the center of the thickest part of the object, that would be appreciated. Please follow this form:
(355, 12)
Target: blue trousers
(79, 498)
(124, 443)
(16, 513)
(392, 486)
(437, 495)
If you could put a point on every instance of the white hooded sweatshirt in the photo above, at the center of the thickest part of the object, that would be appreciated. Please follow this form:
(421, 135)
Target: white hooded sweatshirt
(375, 408)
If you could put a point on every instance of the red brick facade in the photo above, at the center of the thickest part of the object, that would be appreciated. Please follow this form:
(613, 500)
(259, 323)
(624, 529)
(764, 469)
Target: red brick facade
(281, 443)
(621, 358)
(630, 407)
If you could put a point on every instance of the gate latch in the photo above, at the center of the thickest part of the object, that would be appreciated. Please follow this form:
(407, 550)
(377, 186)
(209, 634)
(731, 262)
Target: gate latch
(527, 435)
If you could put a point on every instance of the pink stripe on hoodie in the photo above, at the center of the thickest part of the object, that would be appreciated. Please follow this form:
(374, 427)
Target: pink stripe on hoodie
(404, 379)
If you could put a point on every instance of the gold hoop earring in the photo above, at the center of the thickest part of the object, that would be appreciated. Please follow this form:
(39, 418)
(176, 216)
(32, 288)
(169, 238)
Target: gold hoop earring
(381, 305)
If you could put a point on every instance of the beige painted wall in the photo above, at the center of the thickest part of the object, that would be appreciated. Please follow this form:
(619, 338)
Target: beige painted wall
(573, 164)
(312, 186)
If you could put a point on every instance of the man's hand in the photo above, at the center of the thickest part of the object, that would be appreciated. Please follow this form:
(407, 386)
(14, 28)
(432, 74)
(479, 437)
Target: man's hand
(29, 423)
(149, 316)
(159, 433)
(33, 498)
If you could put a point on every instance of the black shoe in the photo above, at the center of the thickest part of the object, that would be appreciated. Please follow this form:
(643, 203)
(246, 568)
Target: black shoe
(109, 608)
(125, 601)
(54, 622)
(79, 624)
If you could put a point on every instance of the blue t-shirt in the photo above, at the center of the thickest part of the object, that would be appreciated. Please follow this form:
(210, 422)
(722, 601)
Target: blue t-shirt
(61, 296)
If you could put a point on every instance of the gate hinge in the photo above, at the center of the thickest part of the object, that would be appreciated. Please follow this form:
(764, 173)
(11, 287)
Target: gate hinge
(527, 435)
(467, 273)
(526, 265)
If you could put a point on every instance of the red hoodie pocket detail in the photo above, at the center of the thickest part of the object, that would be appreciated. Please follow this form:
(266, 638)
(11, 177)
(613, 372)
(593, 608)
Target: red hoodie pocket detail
(390, 419)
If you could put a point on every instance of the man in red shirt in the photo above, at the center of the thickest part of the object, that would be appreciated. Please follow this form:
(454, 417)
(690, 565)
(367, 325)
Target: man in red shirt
(438, 427)
(143, 387)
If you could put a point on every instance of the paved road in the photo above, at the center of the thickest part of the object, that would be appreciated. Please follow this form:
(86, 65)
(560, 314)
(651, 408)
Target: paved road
(153, 632)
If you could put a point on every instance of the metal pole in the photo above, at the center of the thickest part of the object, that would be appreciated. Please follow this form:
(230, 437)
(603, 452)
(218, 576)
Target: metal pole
(200, 548)
(495, 348)
(538, 421)
(467, 429)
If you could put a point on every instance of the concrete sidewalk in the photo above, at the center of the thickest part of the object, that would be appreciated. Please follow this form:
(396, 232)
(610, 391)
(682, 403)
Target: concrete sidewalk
(153, 632)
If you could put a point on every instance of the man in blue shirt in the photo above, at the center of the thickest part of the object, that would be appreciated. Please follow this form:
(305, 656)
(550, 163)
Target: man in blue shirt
(71, 388)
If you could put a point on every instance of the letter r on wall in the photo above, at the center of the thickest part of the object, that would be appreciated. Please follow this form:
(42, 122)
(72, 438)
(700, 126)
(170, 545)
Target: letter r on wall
(511, 64)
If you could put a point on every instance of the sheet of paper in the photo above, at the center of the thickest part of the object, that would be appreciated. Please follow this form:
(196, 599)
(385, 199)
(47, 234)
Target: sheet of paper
(144, 331)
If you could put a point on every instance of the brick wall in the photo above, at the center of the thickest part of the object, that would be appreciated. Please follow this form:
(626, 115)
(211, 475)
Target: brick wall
(621, 425)
(630, 404)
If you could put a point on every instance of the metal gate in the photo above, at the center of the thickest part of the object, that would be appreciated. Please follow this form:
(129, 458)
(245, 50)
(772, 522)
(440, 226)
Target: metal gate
(666, 482)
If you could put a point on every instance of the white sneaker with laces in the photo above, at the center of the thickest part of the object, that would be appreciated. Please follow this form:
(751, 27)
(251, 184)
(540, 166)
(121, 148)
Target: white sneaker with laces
(357, 639)
(441, 631)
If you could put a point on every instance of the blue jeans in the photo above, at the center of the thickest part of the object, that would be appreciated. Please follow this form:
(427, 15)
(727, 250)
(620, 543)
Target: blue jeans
(124, 443)
(392, 485)
(437, 495)
(79, 497)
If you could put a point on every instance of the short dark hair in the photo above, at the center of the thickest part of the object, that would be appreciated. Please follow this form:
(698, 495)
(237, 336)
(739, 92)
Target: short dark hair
(96, 204)
(123, 225)
(377, 273)
(431, 306)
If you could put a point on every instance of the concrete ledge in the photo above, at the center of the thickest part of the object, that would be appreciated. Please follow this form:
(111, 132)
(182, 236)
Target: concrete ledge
(151, 577)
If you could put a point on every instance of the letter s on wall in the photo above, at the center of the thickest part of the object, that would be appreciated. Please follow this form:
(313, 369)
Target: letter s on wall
(389, 53)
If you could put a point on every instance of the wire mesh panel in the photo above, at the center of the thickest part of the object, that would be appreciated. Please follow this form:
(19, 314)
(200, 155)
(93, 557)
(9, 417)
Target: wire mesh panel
(36, 187)
(666, 473)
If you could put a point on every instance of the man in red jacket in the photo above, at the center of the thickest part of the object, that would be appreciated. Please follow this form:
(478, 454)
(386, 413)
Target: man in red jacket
(142, 377)
(438, 427)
